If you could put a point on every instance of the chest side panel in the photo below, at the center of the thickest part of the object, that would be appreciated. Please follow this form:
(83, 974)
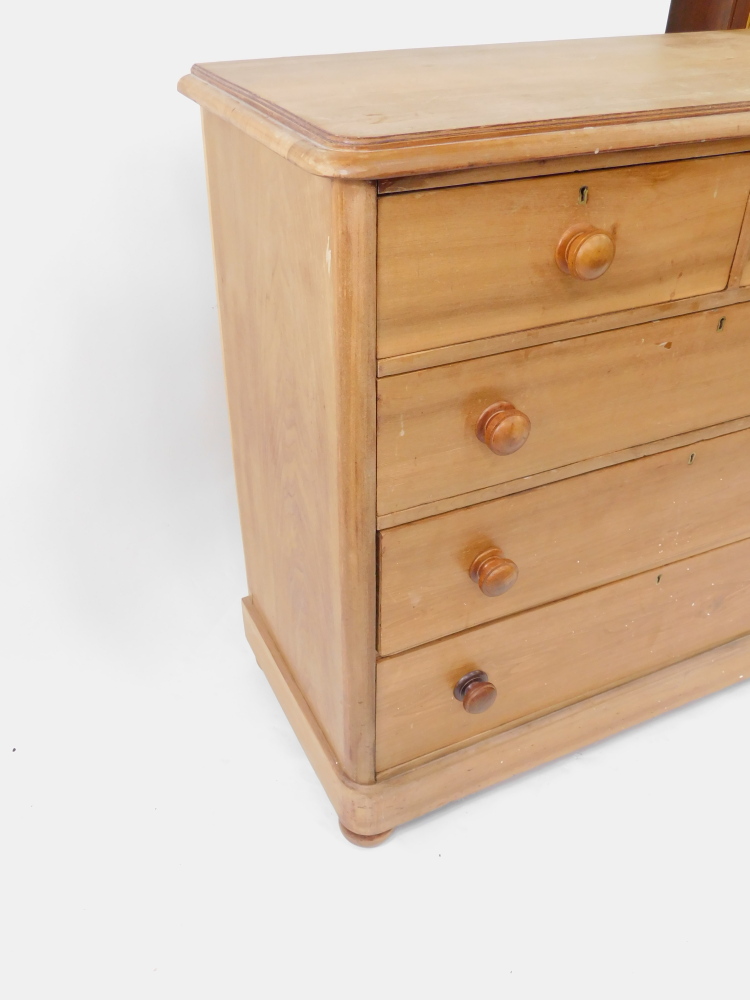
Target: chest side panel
(295, 273)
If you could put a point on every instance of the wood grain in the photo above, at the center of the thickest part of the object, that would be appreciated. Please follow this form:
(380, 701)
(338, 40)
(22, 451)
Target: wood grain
(544, 659)
(295, 270)
(564, 538)
(436, 507)
(564, 164)
(465, 263)
(584, 398)
(487, 759)
(371, 98)
(487, 346)
(388, 114)
(410, 791)
(742, 252)
(459, 153)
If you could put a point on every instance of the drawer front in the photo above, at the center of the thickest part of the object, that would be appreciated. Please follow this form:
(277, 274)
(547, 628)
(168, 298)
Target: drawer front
(544, 659)
(583, 397)
(560, 539)
(458, 264)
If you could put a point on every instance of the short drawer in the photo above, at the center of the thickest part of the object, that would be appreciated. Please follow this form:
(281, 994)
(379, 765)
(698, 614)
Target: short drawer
(447, 573)
(458, 264)
(582, 398)
(546, 658)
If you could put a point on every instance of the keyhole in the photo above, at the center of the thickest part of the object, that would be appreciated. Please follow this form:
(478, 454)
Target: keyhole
(583, 195)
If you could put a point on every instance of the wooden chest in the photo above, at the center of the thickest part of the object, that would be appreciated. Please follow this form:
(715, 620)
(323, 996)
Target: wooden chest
(486, 323)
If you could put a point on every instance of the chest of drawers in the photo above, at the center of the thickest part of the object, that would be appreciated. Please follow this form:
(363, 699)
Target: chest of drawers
(486, 324)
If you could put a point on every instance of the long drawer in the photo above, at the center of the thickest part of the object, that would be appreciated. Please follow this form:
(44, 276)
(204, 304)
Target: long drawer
(583, 397)
(549, 657)
(556, 540)
(457, 264)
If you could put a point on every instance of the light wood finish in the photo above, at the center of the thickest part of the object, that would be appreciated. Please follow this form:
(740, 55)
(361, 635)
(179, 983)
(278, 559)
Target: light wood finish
(364, 840)
(562, 539)
(296, 298)
(411, 514)
(549, 657)
(411, 791)
(451, 153)
(585, 252)
(741, 261)
(492, 572)
(299, 270)
(487, 346)
(370, 98)
(422, 110)
(503, 428)
(565, 164)
(452, 267)
(584, 398)
(708, 15)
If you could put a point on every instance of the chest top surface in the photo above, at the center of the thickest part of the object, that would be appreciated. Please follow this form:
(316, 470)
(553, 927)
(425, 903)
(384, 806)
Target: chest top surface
(375, 98)
(378, 114)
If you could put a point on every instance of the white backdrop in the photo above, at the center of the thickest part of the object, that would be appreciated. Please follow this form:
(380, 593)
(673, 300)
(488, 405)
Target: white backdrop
(162, 834)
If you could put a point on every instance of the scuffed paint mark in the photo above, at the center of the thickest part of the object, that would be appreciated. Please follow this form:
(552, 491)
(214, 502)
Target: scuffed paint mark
(328, 254)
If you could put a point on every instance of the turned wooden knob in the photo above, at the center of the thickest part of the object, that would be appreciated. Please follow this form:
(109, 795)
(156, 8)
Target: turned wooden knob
(475, 692)
(503, 428)
(585, 253)
(493, 572)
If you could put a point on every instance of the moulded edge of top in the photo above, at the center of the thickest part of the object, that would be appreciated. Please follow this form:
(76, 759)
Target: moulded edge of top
(327, 155)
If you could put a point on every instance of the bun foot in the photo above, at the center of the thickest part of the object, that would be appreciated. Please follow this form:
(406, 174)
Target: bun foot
(362, 840)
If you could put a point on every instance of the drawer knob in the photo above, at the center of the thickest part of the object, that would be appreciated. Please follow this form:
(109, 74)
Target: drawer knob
(493, 572)
(503, 428)
(585, 253)
(475, 692)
